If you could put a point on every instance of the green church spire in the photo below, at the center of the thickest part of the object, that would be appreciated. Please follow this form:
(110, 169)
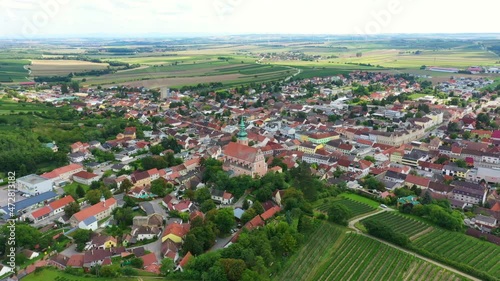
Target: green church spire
(242, 134)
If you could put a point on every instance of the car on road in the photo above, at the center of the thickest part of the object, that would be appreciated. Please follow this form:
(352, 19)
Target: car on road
(383, 206)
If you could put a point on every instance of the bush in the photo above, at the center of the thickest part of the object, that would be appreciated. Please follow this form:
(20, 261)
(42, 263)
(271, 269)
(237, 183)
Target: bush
(378, 229)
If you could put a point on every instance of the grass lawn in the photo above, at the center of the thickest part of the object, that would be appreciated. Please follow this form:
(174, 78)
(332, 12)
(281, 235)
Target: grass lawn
(51, 274)
(71, 188)
(361, 199)
(416, 96)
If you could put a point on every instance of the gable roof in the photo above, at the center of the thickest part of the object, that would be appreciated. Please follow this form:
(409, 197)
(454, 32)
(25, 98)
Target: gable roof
(185, 259)
(61, 202)
(241, 152)
(177, 229)
(149, 259)
(420, 181)
(94, 209)
(85, 175)
(270, 213)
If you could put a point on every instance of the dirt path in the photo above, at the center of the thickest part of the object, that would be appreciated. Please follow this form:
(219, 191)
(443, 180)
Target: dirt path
(353, 222)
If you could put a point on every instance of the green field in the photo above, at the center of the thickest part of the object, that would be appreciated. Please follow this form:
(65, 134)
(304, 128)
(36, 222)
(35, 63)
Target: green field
(9, 107)
(355, 207)
(333, 253)
(463, 249)
(52, 274)
(399, 223)
(13, 70)
(361, 199)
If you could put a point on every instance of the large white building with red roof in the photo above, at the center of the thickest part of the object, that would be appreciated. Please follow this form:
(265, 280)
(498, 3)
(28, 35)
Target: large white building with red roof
(63, 173)
(242, 159)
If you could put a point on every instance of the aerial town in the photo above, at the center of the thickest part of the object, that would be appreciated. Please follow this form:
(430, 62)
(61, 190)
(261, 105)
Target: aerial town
(201, 170)
(228, 140)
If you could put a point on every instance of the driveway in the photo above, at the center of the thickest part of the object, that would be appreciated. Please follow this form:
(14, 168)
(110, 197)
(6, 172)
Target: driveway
(221, 242)
(71, 250)
(153, 247)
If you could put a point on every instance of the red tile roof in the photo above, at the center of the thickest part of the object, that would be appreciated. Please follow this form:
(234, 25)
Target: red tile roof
(496, 207)
(61, 202)
(177, 229)
(41, 212)
(75, 260)
(270, 213)
(85, 175)
(62, 170)
(254, 223)
(241, 152)
(420, 181)
(94, 209)
(227, 195)
(185, 259)
(149, 259)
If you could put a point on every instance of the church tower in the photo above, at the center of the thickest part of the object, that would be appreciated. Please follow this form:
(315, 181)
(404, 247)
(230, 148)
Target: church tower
(242, 134)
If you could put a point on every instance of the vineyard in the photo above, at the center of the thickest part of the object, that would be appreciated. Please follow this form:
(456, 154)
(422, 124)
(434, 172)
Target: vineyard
(362, 258)
(400, 223)
(334, 253)
(356, 208)
(457, 247)
(313, 252)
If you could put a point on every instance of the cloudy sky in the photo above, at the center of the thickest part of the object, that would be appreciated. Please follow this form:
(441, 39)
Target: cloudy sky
(45, 18)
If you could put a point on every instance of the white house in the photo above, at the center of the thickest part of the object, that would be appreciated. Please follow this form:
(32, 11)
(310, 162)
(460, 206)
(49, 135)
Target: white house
(222, 196)
(5, 269)
(89, 224)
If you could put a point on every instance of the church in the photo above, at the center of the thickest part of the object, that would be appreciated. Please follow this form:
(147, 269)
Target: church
(242, 159)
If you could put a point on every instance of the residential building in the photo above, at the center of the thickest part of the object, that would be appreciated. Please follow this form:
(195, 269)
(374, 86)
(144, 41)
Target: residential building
(469, 193)
(85, 177)
(99, 211)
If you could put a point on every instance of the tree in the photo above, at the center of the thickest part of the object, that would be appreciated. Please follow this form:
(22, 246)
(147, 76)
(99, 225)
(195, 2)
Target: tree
(109, 271)
(233, 267)
(461, 163)
(167, 265)
(427, 199)
(466, 135)
(71, 209)
(248, 215)
(159, 187)
(193, 245)
(126, 185)
(202, 194)
(93, 196)
(257, 206)
(339, 214)
(80, 192)
(288, 243)
(123, 216)
(224, 220)
(207, 205)
(129, 271)
(373, 183)
(64, 89)
(246, 205)
(370, 158)
(81, 237)
(137, 263)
